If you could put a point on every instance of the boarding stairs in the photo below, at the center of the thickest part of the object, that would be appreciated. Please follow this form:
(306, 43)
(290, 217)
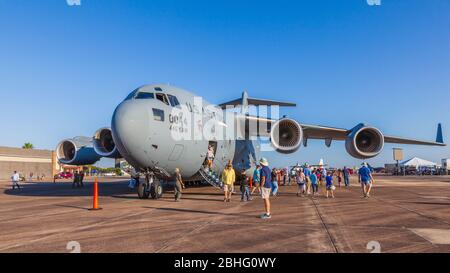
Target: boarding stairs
(211, 177)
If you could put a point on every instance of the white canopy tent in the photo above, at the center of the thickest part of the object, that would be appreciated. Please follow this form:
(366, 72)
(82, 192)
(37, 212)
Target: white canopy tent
(417, 163)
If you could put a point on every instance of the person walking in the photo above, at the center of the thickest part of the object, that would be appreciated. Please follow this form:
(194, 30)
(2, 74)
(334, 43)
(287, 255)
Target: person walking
(228, 178)
(318, 173)
(301, 182)
(81, 179)
(15, 178)
(266, 187)
(76, 180)
(339, 177)
(323, 176)
(314, 183)
(244, 181)
(366, 179)
(210, 157)
(346, 174)
(274, 182)
(256, 180)
(179, 185)
(307, 173)
(329, 185)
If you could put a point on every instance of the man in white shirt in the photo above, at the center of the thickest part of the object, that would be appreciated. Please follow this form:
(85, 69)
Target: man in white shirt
(15, 180)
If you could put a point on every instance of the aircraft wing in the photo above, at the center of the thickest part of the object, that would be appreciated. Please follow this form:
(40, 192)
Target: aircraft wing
(341, 134)
(399, 140)
(323, 132)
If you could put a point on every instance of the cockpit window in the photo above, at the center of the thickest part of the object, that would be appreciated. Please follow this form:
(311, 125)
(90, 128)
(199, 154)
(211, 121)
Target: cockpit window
(158, 114)
(145, 95)
(162, 97)
(158, 89)
(131, 95)
(173, 100)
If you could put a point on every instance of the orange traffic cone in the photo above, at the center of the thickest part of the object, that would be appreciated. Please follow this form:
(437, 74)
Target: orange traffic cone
(95, 204)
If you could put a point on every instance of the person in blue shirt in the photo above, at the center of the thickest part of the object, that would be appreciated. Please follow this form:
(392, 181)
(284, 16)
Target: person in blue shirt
(257, 179)
(275, 182)
(307, 173)
(314, 183)
(366, 179)
(329, 185)
(266, 186)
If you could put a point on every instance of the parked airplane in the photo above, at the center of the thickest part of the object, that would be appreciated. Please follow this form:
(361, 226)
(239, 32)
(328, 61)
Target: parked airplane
(154, 130)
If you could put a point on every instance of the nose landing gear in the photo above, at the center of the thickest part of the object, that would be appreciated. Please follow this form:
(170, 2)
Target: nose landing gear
(151, 187)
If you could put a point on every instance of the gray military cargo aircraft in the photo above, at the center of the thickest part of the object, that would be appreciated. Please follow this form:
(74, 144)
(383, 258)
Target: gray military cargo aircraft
(158, 128)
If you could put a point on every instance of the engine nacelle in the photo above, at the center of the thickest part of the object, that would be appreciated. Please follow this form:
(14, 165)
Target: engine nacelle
(286, 136)
(77, 151)
(364, 142)
(104, 143)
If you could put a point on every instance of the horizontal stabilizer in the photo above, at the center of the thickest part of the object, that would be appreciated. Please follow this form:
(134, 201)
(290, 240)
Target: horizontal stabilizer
(245, 101)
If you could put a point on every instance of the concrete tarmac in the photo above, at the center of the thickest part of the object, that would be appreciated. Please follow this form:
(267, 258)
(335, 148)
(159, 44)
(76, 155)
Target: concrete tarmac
(405, 214)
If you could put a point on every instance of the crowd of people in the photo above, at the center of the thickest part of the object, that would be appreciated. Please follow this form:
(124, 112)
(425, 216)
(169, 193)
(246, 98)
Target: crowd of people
(266, 181)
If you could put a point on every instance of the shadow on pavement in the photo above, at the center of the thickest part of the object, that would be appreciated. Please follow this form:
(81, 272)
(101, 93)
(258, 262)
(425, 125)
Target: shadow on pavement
(64, 189)
(430, 203)
(202, 212)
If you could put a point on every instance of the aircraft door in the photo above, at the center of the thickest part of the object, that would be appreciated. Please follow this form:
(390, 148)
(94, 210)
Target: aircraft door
(176, 152)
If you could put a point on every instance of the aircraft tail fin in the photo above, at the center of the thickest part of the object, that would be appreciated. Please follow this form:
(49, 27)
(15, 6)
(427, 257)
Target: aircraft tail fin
(439, 137)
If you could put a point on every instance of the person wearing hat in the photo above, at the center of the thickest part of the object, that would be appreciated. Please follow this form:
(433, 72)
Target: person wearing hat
(366, 179)
(228, 178)
(266, 187)
(179, 185)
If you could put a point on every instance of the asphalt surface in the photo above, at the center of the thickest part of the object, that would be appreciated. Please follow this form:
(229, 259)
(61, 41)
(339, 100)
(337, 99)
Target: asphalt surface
(409, 214)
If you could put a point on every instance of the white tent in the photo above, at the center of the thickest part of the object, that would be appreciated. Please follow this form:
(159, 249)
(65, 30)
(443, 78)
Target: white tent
(418, 162)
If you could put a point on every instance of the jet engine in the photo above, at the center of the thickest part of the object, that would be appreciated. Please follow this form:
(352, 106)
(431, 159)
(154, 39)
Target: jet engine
(286, 136)
(364, 142)
(104, 143)
(77, 151)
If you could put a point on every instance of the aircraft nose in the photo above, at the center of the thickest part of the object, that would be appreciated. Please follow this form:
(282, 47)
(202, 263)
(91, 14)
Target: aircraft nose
(130, 127)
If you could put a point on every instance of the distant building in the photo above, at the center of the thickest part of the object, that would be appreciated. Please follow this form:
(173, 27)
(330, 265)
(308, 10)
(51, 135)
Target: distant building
(26, 161)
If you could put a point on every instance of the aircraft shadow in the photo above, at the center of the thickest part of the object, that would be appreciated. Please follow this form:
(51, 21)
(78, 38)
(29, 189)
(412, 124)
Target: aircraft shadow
(430, 203)
(64, 189)
(73, 207)
(201, 212)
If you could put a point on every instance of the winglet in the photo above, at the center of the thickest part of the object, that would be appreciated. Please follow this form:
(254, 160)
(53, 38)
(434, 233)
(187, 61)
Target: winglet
(439, 137)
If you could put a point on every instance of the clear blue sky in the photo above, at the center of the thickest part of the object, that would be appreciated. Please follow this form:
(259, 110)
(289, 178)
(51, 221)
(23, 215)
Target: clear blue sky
(63, 69)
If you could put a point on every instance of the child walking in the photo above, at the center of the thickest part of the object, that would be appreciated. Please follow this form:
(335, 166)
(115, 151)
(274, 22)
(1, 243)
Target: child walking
(329, 185)
(245, 193)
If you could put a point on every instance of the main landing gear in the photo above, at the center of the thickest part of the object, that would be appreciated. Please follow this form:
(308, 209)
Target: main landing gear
(152, 187)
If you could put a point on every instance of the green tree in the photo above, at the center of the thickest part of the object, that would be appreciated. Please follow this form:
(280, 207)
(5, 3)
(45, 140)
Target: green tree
(28, 145)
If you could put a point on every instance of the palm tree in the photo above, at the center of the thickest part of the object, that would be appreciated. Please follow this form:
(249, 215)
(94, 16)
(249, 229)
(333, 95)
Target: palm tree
(28, 145)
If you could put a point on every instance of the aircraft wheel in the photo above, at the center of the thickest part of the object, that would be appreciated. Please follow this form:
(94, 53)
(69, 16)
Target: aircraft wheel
(156, 190)
(143, 191)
